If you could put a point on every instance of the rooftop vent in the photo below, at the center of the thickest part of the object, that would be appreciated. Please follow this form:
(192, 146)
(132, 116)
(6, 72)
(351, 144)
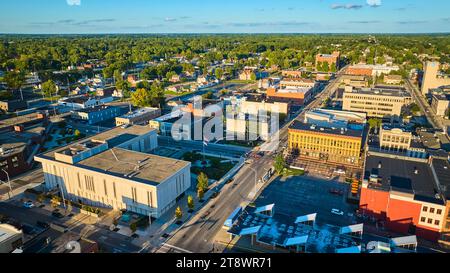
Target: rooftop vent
(416, 171)
(379, 165)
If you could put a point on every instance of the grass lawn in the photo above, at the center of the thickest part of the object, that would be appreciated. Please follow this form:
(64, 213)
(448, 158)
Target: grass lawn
(240, 143)
(240, 81)
(292, 172)
(217, 169)
(172, 93)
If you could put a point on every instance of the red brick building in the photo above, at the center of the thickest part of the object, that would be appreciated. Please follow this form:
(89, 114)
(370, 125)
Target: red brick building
(402, 195)
(331, 59)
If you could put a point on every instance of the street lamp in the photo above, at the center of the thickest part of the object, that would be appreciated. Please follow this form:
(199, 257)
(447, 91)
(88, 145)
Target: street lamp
(9, 183)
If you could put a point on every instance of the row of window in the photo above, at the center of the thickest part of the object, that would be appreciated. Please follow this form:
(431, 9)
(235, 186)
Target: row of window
(323, 141)
(430, 221)
(372, 98)
(432, 210)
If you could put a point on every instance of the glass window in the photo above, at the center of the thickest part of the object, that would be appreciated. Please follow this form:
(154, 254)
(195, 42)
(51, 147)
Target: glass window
(430, 221)
(436, 222)
(422, 219)
(439, 212)
(425, 209)
(431, 210)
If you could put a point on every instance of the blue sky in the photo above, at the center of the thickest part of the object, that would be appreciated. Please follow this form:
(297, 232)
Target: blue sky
(224, 16)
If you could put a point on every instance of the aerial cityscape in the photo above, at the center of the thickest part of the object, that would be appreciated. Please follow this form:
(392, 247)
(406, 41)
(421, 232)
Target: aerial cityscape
(296, 127)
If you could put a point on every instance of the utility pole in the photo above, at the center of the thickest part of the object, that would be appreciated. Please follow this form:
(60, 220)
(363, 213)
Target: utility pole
(9, 183)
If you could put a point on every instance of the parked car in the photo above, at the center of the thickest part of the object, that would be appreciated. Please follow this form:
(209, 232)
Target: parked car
(28, 205)
(57, 214)
(336, 191)
(337, 212)
(42, 224)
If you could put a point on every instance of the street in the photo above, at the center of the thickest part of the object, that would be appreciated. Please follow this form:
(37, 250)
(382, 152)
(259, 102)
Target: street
(209, 220)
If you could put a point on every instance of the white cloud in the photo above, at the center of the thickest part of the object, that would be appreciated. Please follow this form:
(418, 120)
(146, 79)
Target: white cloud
(73, 2)
(374, 3)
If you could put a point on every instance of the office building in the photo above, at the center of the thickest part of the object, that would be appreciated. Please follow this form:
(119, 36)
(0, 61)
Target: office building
(114, 170)
(370, 70)
(10, 238)
(404, 195)
(332, 59)
(97, 114)
(432, 79)
(440, 104)
(376, 102)
(395, 139)
(340, 146)
(139, 117)
(335, 118)
(295, 96)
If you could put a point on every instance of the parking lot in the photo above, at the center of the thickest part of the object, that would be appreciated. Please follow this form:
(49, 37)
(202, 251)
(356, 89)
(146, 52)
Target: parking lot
(297, 196)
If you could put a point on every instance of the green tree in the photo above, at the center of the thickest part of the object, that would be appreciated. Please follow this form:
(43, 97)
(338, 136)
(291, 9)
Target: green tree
(415, 108)
(178, 213)
(279, 164)
(218, 73)
(117, 76)
(133, 227)
(77, 133)
(208, 95)
(202, 182)
(49, 88)
(14, 79)
(374, 123)
(190, 202)
(253, 76)
(141, 98)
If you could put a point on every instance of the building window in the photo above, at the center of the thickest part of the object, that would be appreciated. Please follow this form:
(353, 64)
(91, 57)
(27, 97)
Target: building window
(425, 209)
(423, 219)
(431, 210)
(430, 221)
(439, 212)
(437, 222)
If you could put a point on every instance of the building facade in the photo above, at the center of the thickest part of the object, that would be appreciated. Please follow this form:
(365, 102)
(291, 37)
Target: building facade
(440, 104)
(331, 145)
(431, 79)
(376, 102)
(97, 114)
(402, 193)
(114, 170)
(395, 139)
(139, 117)
(294, 96)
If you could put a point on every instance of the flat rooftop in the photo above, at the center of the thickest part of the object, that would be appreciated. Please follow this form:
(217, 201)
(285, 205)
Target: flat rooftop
(407, 176)
(140, 167)
(297, 125)
(114, 137)
(380, 92)
(19, 120)
(96, 109)
(442, 169)
(140, 112)
(289, 90)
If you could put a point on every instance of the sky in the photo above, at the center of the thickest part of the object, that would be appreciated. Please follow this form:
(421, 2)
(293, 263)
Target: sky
(224, 16)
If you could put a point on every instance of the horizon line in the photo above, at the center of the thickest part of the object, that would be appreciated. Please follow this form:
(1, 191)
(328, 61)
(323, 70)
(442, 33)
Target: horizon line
(233, 33)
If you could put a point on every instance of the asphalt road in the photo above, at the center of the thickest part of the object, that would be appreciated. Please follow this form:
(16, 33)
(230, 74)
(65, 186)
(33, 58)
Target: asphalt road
(197, 235)
(424, 106)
